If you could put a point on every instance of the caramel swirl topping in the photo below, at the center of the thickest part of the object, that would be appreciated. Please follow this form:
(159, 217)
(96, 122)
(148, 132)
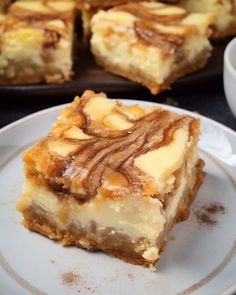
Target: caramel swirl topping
(83, 166)
(149, 35)
(145, 13)
(88, 165)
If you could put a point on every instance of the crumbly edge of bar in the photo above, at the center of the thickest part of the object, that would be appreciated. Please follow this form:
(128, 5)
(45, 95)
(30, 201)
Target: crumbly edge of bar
(138, 76)
(45, 226)
(56, 78)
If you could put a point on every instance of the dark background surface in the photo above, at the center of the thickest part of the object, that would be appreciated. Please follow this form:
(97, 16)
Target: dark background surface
(205, 97)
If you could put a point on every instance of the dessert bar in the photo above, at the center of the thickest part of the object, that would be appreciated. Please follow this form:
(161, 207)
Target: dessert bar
(151, 43)
(112, 177)
(37, 42)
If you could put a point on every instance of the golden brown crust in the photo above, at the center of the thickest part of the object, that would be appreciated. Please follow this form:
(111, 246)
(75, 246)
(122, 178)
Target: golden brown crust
(29, 76)
(134, 74)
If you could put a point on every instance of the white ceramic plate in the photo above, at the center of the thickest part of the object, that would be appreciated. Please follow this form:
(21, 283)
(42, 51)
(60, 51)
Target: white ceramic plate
(200, 259)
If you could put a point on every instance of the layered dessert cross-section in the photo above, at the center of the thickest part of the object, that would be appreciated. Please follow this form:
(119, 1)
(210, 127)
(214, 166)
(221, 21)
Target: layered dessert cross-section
(36, 42)
(151, 43)
(112, 177)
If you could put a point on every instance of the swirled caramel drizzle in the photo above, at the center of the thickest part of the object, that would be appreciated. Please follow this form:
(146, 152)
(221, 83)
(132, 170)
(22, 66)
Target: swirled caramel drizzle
(146, 13)
(153, 26)
(149, 35)
(44, 10)
(84, 166)
(98, 155)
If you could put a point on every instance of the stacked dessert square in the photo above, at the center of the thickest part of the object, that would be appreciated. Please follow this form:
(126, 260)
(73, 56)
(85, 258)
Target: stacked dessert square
(151, 43)
(112, 177)
(37, 42)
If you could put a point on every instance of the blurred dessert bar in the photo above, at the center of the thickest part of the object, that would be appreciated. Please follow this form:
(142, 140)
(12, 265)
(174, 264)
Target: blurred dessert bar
(112, 177)
(87, 4)
(37, 42)
(4, 5)
(224, 12)
(151, 43)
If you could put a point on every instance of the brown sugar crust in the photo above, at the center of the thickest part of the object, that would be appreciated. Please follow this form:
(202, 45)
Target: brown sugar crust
(38, 221)
(134, 74)
(30, 75)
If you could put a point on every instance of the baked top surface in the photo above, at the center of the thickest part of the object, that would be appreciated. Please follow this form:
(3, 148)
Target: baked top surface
(166, 18)
(97, 144)
(41, 9)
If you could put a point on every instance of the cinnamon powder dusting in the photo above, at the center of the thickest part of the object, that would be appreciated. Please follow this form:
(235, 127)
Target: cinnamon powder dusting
(208, 214)
(131, 276)
(69, 278)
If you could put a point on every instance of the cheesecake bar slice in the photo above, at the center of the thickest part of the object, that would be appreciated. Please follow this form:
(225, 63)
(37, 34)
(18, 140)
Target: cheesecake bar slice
(151, 43)
(36, 42)
(112, 177)
(224, 12)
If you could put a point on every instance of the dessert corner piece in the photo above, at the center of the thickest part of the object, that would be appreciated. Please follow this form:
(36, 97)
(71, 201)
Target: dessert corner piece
(224, 12)
(112, 177)
(36, 42)
(151, 43)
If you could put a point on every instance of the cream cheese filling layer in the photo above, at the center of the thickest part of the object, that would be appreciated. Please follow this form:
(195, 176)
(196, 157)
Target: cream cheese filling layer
(135, 217)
